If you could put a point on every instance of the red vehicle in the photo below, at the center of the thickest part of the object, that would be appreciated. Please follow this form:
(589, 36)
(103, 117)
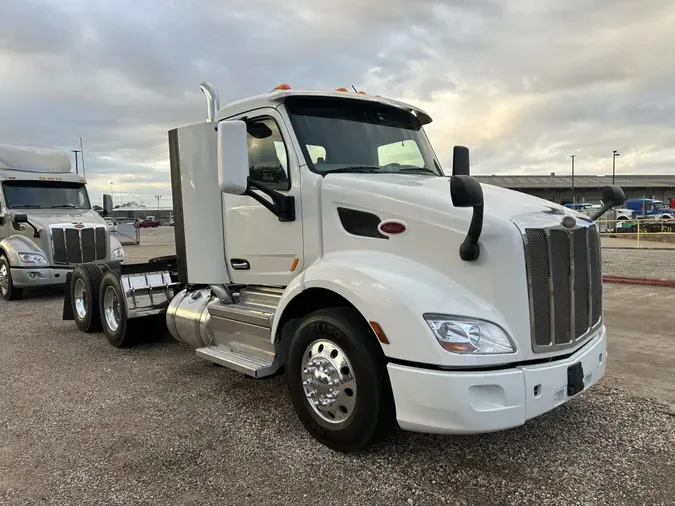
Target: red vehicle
(149, 222)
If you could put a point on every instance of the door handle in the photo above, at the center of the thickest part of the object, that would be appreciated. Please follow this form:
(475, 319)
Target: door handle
(239, 264)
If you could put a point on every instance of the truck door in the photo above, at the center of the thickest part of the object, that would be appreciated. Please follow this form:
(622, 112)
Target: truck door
(259, 248)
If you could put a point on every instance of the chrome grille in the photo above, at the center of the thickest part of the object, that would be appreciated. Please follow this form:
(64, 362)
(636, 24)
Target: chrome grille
(565, 284)
(72, 245)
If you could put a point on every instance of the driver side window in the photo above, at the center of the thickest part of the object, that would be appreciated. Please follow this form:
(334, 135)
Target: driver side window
(267, 156)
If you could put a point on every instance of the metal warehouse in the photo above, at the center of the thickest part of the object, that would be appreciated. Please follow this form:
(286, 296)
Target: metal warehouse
(586, 188)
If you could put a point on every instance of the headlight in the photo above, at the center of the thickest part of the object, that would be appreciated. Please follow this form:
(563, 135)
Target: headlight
(32, 258)
(117, 254)
(469, 335)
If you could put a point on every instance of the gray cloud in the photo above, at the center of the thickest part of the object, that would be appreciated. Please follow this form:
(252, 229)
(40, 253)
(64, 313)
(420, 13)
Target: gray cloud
(524, 83)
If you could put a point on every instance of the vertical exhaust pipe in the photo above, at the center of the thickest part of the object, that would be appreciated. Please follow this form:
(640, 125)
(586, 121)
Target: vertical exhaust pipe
(212, 100)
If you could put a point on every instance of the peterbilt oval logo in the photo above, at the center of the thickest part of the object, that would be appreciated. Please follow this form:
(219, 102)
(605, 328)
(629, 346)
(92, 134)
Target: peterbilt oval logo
(569, 222)
(79, 225)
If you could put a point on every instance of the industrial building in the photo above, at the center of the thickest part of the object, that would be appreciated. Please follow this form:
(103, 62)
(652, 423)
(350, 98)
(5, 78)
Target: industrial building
(586, 188)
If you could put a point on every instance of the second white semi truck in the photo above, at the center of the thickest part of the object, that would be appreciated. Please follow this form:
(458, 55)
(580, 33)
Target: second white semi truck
(318, 236)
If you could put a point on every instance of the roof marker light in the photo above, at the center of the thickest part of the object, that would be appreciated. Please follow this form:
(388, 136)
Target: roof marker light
(282, 86)
(341, 89)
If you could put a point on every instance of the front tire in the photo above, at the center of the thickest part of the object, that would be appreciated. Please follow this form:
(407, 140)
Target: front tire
(7, 289)
(338, 380)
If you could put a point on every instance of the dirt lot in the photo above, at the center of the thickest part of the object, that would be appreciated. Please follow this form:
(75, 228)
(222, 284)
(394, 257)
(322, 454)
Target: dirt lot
(84, 423)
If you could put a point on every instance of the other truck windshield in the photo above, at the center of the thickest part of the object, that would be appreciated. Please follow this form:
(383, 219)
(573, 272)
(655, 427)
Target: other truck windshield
(45, 195)
(344, 135)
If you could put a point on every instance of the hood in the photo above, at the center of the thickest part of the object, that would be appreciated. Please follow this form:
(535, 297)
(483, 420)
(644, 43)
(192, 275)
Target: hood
(432, 194)
(493, 287)
(43, 218)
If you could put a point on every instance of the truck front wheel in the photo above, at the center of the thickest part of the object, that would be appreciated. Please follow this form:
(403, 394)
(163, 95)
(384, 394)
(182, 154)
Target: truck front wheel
(338, 380)
(7, 288)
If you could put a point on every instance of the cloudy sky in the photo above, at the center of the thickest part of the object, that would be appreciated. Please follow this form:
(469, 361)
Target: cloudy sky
(523, 83)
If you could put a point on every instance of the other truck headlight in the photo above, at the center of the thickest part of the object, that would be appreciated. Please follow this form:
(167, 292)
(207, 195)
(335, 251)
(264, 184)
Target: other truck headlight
(32, 258)
(117, 254)
(469, 335)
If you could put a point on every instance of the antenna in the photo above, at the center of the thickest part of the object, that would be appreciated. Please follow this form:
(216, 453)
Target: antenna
(354, 88)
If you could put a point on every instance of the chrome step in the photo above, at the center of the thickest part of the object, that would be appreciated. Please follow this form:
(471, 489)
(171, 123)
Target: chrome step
(245, 363)
(262, 297)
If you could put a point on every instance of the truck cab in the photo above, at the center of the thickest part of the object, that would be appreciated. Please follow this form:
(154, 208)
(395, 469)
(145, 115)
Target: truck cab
(47, 225)
(339, 251)
(650, 208)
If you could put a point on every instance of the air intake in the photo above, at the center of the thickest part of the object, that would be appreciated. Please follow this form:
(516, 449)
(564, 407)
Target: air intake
(360, 223)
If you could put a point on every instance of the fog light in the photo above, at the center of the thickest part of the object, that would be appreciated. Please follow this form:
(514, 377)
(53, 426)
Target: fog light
(32, 275)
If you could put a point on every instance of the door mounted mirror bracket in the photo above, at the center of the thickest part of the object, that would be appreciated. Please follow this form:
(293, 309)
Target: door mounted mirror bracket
(282, 206)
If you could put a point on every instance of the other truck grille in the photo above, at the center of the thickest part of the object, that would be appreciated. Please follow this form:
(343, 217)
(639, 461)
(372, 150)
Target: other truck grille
(565, 285)
(72, 245)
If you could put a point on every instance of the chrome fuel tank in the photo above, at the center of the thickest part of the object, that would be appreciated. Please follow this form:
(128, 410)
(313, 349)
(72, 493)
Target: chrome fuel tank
(188, 318)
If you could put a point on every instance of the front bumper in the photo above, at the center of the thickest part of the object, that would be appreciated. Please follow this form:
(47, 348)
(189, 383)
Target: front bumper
(29, 277)
(465, 402)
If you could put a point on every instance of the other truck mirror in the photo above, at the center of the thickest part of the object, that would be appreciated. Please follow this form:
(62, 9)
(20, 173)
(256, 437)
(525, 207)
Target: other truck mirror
(465, 191)
(232, 157)
(460, 161)
(611, 196)
(20, 218)
(107, 204)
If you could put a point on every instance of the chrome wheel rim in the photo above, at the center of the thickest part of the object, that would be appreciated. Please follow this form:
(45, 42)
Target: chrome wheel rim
(81, 297)
(111, 309)
(328, 381)
(4, 279)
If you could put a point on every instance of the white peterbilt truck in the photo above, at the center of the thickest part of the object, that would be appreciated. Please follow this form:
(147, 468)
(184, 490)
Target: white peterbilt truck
(338, 252)
(47, 225)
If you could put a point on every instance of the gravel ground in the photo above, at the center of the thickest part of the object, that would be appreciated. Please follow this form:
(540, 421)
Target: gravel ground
(84, 423)
(640, 263)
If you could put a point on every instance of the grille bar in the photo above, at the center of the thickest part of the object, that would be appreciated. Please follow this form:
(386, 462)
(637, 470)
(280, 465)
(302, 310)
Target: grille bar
(565, 284)
(73, 246)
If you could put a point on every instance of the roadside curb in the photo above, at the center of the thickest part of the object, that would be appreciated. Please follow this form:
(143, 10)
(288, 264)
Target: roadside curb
(639, 281)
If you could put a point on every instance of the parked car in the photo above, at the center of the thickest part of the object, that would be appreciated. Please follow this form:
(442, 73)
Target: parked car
(149, 222)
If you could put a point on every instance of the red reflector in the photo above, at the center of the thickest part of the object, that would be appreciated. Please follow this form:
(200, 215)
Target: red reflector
(392, 228)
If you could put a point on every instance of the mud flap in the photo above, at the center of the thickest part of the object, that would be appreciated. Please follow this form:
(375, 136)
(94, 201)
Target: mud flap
(67, 303)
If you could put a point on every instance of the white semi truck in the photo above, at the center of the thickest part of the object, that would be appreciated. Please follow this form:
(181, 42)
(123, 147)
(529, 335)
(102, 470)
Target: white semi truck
(47, 224)
(317, 235)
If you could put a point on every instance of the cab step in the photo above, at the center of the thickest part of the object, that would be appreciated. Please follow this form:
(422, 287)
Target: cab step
(251, 365)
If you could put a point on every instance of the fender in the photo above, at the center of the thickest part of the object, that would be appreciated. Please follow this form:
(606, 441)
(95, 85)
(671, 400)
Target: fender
(396, 293)
(15, 244)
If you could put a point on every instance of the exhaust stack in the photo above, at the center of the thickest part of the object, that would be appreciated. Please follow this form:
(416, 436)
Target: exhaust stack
(212, 100)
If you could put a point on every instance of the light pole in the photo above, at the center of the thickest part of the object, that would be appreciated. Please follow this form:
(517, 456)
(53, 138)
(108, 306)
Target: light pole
(615, 153)
(574, 200)
(158, 197)
(84, 171)
(76, 151)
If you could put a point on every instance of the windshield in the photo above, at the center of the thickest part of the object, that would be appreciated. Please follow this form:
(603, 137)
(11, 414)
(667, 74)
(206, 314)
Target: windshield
(45, 195)
(340, 135)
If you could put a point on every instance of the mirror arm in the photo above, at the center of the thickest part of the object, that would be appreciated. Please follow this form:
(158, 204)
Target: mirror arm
(469, 250)
(602, 211)
(282, 206)
(36, 232)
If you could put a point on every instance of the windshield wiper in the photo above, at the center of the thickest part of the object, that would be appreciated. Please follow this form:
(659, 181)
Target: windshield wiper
(26, 206)
(360, 169)
(418, 170)
(65, 206)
